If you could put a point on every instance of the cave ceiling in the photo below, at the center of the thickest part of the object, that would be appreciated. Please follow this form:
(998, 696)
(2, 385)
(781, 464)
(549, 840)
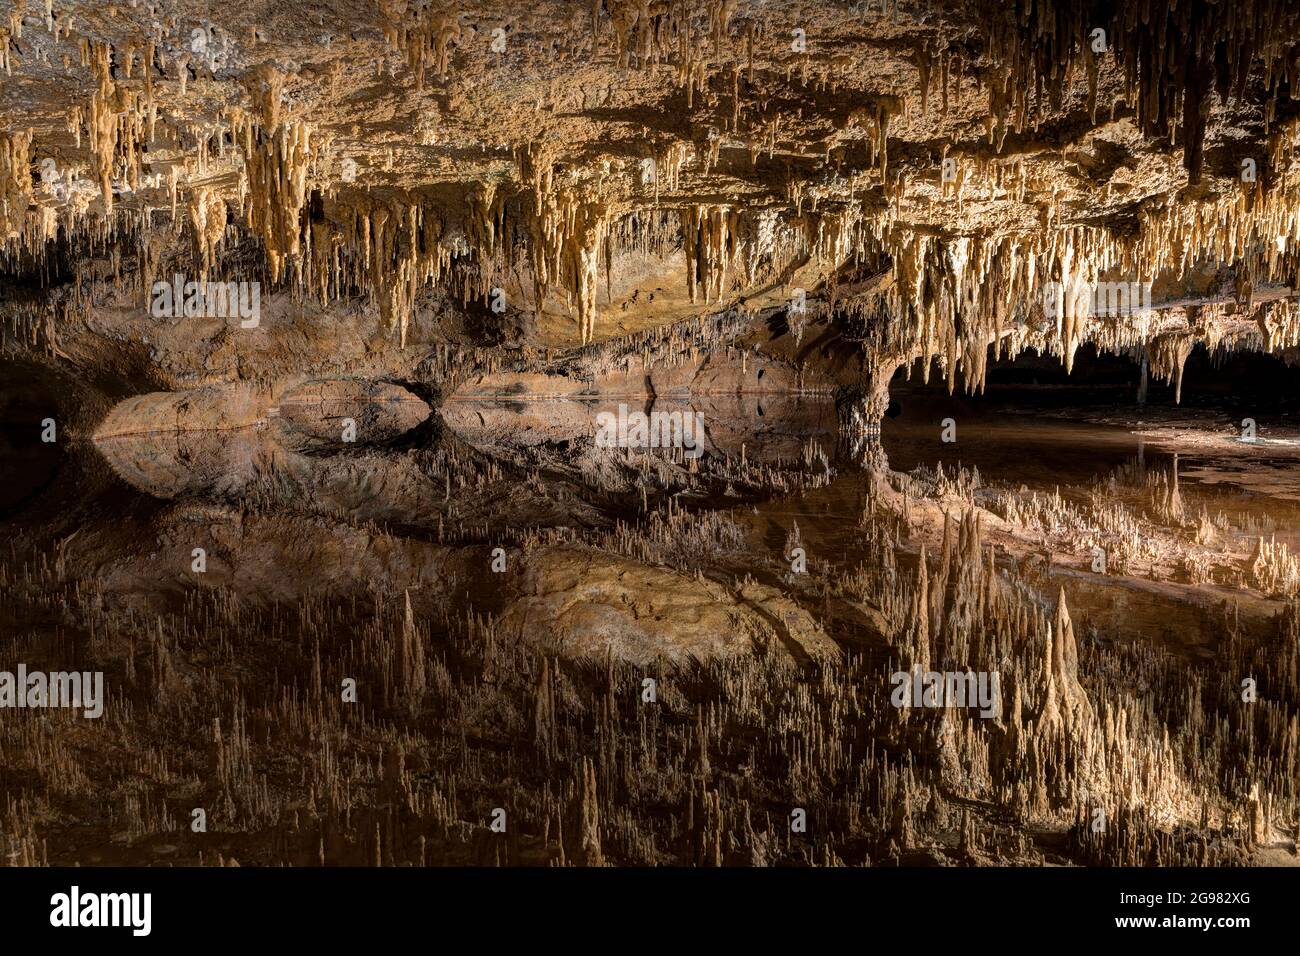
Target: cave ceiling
(922, 167)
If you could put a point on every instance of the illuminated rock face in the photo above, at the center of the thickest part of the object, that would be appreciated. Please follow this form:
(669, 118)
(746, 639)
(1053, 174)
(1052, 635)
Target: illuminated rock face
(1003, 185)
(947, 350)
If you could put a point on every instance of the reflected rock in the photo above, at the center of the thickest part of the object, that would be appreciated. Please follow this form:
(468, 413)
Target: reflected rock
(210, 463)
(348, 411)
(581, 603)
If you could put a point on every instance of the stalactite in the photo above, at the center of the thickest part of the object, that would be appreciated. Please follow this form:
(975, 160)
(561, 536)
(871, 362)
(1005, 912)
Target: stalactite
(569, 226)
(1168, 356)
(277, 163)
(1167, 56)
(15, 182)
(709, 241)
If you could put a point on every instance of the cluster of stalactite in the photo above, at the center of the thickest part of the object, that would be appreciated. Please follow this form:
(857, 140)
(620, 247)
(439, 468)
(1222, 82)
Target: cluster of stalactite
(207, 215)
(1279, 326)
(133, 147)
(709, 243)
(29, 329)
(569, 224)
(1175, 59)
(15, 182)
(388, 249)
(645, 36)
(277, 163)
(949, 296)
(942, 297)
(394, 247)
(118, 120)
(427, 36)
(1168, 355)
(957, 296)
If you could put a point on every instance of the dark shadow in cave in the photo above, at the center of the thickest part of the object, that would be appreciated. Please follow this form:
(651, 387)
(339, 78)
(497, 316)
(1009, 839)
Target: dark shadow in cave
(28, 465)
(1035, 423)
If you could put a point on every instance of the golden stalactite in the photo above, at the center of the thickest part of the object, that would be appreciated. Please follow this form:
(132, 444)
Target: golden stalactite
(6, 52)
(1166, 53)
(15, 182)
(1168, 356)
(207, 215)
(433, 34)
(569, 226)
(709, 242)
(277, 163)
(265, 87)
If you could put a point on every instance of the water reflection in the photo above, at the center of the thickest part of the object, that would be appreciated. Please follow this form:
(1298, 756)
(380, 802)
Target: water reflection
(765, 428)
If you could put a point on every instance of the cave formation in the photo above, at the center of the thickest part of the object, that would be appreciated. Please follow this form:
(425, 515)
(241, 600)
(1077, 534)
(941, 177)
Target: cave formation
(350, 357)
